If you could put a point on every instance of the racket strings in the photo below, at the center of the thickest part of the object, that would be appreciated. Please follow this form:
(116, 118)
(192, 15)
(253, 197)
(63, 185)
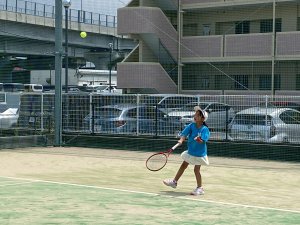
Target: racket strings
(156, 162)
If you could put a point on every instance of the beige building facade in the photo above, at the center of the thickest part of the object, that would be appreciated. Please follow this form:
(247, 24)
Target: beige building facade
(211, 46)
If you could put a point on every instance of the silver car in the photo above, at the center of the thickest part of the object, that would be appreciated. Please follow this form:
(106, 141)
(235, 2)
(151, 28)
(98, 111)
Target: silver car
(8, 116)
(219, 114)
(266, 125)
(132, 119)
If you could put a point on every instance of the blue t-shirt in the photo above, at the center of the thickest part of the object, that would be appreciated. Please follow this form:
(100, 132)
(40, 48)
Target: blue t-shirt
(195, 148)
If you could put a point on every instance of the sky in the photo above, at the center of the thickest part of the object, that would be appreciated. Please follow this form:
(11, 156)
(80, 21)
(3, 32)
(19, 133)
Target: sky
(108, 7)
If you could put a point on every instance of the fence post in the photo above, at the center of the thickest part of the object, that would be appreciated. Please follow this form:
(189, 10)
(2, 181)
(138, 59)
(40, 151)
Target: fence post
(227, 123)
(91, 123)
(198, 99)
(93, 118)
(42, 112)
(34, 9)
(137, 114)
(70, 18)
(266, 118)
(44, 11)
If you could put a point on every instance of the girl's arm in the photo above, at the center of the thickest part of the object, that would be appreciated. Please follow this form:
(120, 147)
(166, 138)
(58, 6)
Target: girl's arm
(181, 140)
(186, 131)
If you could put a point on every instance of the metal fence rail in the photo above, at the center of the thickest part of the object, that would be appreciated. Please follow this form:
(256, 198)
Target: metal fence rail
(231, 118)
(48, 11)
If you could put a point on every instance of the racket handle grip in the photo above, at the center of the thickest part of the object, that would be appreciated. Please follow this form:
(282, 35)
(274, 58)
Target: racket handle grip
(175, 146)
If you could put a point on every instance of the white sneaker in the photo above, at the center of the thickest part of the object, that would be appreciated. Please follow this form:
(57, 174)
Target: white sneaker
(198, 191)
(170, 182)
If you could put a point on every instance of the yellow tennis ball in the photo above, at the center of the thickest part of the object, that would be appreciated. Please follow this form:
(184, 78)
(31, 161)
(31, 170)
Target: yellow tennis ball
(83, 34)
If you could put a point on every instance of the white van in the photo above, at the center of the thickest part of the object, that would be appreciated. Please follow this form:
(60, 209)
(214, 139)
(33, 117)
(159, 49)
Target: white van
(33, 87)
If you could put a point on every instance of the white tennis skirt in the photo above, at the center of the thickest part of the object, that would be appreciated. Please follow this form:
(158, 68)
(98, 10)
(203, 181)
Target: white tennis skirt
(194, 160)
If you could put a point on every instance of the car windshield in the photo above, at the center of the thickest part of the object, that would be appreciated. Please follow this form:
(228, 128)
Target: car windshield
(249, 119)
(101, 88)
(3, 108)
(108, 112)
(150, 100)
(280, 104)
(38, 87)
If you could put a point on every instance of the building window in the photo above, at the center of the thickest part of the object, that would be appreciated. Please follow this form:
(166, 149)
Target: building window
(206, 29)
(204, 82)
(266, 26)
(242, 27)
(222, 83)
(190, 29)
(240, 82)
(265, 82)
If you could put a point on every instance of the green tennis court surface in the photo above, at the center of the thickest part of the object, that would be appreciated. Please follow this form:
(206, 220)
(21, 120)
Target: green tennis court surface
(94, 186)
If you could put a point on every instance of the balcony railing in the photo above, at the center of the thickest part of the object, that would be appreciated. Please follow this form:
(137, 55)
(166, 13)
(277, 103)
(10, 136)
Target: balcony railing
(256, 45)
(204, 46)
(248, 45)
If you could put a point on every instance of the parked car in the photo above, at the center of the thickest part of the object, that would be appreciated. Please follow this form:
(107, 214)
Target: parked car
(8, 116)
(167, 103)
(280, 104)
(33, 88)
(219, 114)
(13, 87)
(132, 119)
(266, 125)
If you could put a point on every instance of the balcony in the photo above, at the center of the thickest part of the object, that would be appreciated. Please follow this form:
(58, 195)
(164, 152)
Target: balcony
(227, 48)
(201, 4)
(248, 45)
(204, 46)
(287, 45)
(240, 47)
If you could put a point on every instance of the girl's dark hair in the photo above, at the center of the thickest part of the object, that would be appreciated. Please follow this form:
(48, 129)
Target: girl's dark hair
(204, 123)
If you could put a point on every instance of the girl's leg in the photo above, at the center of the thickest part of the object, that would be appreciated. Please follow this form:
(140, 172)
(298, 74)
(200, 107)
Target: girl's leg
(198, 175)
(180, 171)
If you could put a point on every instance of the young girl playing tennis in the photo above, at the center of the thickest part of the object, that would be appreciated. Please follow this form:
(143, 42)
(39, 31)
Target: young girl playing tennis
(197, 134)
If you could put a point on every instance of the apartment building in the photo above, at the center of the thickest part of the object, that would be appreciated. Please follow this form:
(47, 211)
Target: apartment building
(195, 46)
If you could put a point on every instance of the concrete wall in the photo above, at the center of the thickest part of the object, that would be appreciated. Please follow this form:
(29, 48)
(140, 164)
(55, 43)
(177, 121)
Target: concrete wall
(41, 77)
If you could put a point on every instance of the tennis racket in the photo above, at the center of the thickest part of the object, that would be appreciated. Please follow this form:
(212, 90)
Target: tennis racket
(158, 160)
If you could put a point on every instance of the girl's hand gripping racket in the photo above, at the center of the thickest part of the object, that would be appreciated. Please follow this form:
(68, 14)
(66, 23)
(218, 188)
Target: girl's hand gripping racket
(158, 160)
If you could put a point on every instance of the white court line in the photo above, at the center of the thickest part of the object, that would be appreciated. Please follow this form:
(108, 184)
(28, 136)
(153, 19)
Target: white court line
(12, 184)
(154, 194)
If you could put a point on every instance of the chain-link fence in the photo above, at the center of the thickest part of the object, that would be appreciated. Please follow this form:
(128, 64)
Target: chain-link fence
(230, 118)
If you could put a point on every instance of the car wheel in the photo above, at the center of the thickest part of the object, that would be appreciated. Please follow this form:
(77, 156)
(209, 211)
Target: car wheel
(133, 130)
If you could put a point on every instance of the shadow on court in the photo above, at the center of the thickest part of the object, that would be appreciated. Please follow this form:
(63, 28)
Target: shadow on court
(175, 193)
